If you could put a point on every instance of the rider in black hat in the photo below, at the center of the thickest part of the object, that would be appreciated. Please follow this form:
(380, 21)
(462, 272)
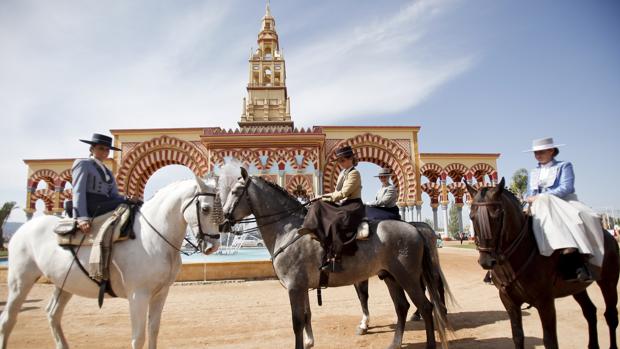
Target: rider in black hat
(338, 213)
(94, 188)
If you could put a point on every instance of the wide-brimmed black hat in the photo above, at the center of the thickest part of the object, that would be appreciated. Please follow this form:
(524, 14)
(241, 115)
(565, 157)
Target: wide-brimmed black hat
(100, 139)
(385, 172)
(344, 152)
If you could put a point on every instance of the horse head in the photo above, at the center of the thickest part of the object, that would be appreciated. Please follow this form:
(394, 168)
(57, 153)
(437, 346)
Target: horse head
(203, 214)
(487, 215)
(236, 206)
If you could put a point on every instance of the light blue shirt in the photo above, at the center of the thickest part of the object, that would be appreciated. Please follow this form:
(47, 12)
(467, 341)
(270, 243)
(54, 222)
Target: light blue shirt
(558, 179)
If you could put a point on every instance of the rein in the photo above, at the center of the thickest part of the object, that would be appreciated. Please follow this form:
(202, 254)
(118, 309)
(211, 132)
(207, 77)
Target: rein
(201, 233)
(278, 215)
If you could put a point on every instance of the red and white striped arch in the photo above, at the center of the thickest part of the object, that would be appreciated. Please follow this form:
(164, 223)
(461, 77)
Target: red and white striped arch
(303, 180)
(433, 189)
(381, 151)
(480, 170)
(146, 158)
(431, 171)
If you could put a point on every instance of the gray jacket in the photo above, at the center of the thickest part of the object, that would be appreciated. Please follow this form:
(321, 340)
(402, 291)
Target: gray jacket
(386, 197)
(88, 178)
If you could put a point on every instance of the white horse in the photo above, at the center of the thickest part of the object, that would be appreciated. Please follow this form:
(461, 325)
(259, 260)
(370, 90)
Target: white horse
(141, 270)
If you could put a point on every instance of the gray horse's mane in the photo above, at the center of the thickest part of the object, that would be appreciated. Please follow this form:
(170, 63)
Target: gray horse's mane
(280, 189)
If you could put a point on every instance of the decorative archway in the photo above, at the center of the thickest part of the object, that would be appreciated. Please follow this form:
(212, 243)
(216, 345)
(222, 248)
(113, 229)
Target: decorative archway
(150, 156)
(47, 195)
(379, 151)
(431, 171)
(456, 171)
(480, 170)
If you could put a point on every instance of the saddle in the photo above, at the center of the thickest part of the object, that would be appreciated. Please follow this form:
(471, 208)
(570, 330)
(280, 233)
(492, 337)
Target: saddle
(68, 234)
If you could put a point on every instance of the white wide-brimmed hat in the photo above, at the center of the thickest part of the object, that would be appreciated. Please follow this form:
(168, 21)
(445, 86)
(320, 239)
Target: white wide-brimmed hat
(543, 144)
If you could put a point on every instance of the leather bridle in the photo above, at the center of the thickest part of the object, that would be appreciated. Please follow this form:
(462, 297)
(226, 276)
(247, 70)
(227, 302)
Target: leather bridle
(229, 217)
(201, 233)
(485, 226)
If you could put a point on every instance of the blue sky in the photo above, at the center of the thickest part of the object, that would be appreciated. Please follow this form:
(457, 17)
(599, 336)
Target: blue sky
(477, 76)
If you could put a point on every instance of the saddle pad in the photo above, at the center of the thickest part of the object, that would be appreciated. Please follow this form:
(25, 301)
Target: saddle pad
(75, 238)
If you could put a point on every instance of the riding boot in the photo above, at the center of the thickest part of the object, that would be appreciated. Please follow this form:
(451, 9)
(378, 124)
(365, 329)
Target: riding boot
(573, 268)
(583, 272)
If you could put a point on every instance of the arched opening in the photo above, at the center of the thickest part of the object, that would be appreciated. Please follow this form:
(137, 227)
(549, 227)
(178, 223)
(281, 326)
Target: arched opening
(370, 184)
(164, 176)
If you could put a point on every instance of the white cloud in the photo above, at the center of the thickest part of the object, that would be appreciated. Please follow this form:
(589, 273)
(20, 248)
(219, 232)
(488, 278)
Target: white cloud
(380, 68)
(68, 70)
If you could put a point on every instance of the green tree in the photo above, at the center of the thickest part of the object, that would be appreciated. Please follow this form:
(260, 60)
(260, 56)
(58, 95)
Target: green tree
(5, 212)
(518, 184)
(453, 221)
(428, 221)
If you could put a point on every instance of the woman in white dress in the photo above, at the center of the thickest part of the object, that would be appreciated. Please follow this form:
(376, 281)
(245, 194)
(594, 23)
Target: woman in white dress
(561, 222)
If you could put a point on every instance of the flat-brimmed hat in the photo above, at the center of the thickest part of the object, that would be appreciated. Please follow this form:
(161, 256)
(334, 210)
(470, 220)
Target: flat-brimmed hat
(543, 144)
(344, 152)
(385, 172)
(100, 139)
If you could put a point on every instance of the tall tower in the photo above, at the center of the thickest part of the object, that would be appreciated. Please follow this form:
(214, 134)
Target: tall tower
(267, 104)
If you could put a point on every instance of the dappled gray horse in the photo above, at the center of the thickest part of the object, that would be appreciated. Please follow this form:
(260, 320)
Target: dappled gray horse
(396, 249)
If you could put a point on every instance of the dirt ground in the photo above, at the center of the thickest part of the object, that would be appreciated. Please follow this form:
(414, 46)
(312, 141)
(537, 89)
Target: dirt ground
(256, 314)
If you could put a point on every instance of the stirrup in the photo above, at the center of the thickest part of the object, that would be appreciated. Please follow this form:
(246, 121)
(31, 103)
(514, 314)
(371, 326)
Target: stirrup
(363, 231)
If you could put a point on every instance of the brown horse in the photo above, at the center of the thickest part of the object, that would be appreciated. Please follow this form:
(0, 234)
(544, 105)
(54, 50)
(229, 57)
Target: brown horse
(507, 246)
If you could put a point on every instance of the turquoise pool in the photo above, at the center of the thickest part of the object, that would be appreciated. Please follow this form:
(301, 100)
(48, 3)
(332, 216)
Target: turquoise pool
(243, 254)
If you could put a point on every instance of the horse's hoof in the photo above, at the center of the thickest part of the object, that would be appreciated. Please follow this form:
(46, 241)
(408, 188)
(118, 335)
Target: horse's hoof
(308, 344)
(361, 331)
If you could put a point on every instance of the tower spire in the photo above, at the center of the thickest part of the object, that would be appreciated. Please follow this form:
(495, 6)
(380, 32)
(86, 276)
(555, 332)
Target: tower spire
(267, 104)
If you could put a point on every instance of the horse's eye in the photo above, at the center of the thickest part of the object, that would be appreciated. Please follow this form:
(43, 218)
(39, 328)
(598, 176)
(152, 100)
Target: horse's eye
(205, 209)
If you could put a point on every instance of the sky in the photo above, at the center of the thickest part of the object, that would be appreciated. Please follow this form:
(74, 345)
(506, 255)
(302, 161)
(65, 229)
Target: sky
(482, 76)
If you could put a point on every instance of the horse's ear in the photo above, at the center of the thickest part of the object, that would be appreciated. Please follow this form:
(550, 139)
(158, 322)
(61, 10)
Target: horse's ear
(499, 188)
(244, 173)
(202, 187)
(502, 183)
(472, 191)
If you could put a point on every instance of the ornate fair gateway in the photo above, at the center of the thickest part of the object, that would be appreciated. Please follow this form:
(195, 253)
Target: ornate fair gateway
(268, 144)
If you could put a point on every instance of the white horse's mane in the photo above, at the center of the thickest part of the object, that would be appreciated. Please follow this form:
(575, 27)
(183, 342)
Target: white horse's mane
(180, 184)
(228, 176)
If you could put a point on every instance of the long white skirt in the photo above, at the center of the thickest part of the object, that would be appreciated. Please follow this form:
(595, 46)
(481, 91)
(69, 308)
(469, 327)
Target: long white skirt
(565, 223)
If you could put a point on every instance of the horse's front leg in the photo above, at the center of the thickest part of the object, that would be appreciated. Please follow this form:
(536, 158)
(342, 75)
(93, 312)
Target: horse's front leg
(54, 310)
(546, 311)
(138, 307)
(362, 293)
(516, 321)
(297, 297)
(156, 307)
(309, 337)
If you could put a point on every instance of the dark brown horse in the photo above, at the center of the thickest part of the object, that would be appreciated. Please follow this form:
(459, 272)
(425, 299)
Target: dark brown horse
(507, 246)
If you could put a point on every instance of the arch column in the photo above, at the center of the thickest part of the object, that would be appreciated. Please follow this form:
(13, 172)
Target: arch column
(444, 203)
(434, 206)
(418, 209)
(459, 209)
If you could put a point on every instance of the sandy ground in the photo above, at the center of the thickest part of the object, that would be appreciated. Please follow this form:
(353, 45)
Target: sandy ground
(257, 315)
